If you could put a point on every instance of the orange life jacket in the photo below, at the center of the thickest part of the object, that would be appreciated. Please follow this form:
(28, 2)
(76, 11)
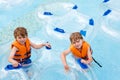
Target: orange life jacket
(82, 53)
(24, 51)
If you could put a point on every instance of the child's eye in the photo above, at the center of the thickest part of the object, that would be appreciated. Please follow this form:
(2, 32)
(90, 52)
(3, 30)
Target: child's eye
(73, 42)
(20, 37)
(24, 37)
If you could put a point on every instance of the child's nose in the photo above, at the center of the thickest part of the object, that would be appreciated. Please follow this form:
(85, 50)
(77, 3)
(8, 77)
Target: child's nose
(76, 43)
(22, 39)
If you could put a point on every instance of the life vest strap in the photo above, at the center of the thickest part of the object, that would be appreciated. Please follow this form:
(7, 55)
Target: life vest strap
(22, 60)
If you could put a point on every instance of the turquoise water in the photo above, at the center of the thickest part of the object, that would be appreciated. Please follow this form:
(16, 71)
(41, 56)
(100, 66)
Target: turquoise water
(104, 37)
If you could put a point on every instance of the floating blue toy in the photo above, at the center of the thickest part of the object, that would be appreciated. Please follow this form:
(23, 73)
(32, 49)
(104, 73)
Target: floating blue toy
(48, 47)
(106, 1)
(48, 13)
(75, 7)
(10, 67)
(83, 32)
(59, 30)
(91, 22)
(107, 12)
(82, 65)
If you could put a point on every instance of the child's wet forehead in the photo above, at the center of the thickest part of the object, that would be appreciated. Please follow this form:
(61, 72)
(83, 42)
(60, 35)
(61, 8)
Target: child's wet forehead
(75, 40)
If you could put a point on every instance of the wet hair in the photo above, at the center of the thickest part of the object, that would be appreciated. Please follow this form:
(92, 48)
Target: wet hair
(75, 36)
(20, 31)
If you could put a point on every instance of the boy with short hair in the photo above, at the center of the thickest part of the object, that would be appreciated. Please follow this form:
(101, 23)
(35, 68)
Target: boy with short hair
(80, 50)
(21, 48)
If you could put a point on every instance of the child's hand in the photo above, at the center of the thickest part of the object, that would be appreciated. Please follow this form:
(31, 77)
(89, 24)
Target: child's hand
(66, 67)
(48, 45)
(84, 61)
(15, 64)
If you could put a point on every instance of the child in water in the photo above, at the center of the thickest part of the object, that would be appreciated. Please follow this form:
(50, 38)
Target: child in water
(80, 49)
(21, 48)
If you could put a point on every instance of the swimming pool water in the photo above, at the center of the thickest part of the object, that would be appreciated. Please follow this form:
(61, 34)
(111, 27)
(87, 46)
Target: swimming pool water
(104, 36)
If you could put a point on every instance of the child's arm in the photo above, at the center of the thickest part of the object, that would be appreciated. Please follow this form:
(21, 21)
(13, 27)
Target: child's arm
(89, 53)
(10, 59)
(63, 57)
(37, 46)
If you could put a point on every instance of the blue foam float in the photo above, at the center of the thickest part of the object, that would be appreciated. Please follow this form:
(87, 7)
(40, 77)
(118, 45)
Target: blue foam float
(59, 30)
(106, 1)
(10, 67)
(82, 32)
(47, 13)
(28, 61)
(91, 22)
(107, 12)
(82, 65)
(75, 7)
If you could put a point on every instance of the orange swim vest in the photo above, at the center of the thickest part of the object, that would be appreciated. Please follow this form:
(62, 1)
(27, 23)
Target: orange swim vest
(24, 51)
(82, 53)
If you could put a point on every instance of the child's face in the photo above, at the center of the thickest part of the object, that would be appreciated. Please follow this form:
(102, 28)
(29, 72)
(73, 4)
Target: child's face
(78, 43)
(21, 39)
